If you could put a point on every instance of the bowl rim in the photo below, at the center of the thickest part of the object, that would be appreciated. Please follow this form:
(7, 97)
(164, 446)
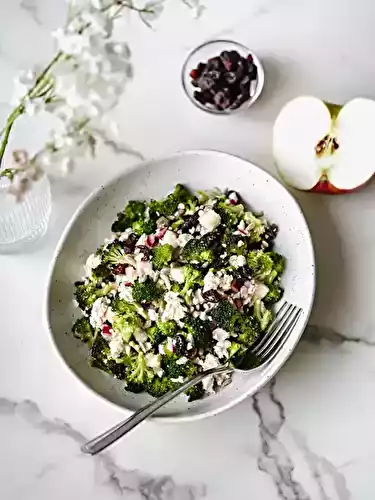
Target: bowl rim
(274, 367)
(246, 104)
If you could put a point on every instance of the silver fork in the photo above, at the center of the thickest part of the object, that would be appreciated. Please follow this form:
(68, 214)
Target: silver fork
(264, 351)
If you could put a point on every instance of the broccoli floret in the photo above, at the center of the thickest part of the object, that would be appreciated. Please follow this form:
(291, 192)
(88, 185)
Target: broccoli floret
(174, 370)
(278, 262)
(248, 329)
(127, 324)
(155, 335)
(230, 214)
(133, 211)
(225, 315)
(134, 387)
(274, 294)
(159, 386)
(198, 250)
(192, 277)
(231, 241)
(245, 360)
(83, 330)
(115, 369)
(195, 392)
(168, 205)
(114, 254)
(138, 372)
(144, 226)
(102, 272)
(260, 263)
(201, 332)
(146, 291)
(236, 349)
(99, 353)
(121, 307)
(87, 293)
(263, 315)
(167, 328)
(161, 256)
(255, 226)
(266, 266)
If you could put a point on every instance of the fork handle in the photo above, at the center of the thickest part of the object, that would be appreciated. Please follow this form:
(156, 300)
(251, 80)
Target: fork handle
(110, 436)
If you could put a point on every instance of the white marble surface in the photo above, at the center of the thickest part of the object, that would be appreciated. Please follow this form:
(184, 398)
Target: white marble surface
(310, 434)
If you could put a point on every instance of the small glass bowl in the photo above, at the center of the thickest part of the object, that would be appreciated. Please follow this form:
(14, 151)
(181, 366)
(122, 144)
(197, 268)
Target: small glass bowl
(213, 49)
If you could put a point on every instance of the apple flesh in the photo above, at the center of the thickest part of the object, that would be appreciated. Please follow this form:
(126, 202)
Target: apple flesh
(325, 148)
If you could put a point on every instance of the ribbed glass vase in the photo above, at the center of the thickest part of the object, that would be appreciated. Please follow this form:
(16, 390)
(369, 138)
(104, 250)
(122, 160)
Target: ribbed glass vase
(23, 222)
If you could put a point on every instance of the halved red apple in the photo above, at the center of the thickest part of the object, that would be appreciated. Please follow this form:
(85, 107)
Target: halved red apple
(323, 147)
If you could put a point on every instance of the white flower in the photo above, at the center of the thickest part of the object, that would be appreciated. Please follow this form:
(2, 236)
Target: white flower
(71, 43)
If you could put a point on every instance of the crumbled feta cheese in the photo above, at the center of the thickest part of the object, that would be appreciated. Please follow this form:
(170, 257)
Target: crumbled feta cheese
(126, 292)
(170, 238)
(181, 206)
(220, 335)
(144, 269)
(174, 309)
(214, 281)
(164, 277)
(183, 239)
(161, 349)
(153, 315)
(210, 220)
(241, 225)
(153, 360)
(100, 312)
(178, 380)
(226, 281)
(177, 274)
(108, 241)
(182, 361)
(211, 281)
(221, 349)
(203, 315)
(237, 260)
(209, 362)
(92, 262)
(140, 336)
(116, 345)
(240, 244)
(192, 230)
(125, 235)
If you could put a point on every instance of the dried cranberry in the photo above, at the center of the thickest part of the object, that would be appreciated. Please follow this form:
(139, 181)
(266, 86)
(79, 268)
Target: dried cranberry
(235, 286)
(119, 269)
(238, 304)
(194, 73)
(212, 296)
(179, 345)
(128, 248)
(145, 250)
(192, 353)
(189, 222)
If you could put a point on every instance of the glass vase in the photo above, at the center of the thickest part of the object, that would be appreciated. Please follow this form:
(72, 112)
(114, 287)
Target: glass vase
(22, 222)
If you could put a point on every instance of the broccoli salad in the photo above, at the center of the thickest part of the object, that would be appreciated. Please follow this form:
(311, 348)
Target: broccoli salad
(183, 285)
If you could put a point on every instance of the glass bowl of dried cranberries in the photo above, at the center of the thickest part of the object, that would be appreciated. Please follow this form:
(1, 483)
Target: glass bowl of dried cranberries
(222, 77)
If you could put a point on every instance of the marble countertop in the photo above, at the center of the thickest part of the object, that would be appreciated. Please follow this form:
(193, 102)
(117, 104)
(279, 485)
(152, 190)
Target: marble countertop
(309, 435)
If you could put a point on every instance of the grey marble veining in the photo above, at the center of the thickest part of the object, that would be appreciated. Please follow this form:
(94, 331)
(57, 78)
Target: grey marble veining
(115, 481)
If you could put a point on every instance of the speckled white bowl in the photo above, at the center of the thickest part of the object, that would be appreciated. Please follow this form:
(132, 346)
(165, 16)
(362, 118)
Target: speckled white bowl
(91, 224)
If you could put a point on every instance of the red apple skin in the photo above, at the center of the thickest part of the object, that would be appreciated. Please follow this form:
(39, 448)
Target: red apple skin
(323, 186)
